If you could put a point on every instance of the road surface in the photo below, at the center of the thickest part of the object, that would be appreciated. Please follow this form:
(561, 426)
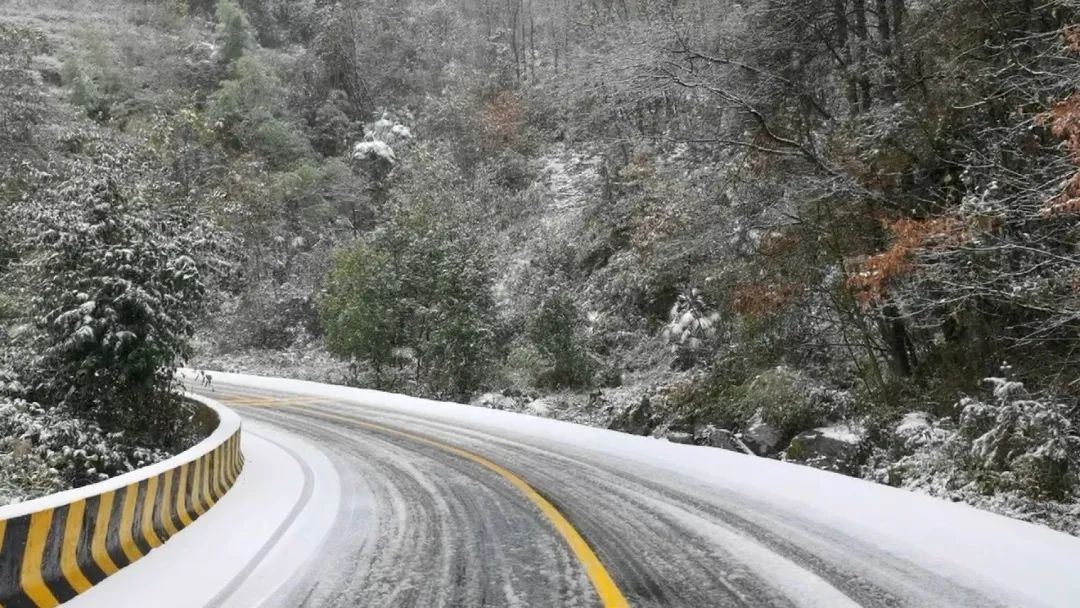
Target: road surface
(444, 505)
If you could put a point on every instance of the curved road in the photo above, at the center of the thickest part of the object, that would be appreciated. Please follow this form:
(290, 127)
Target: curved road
(467, 510)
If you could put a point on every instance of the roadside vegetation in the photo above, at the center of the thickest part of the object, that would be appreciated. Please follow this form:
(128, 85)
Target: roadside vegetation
(840, 233)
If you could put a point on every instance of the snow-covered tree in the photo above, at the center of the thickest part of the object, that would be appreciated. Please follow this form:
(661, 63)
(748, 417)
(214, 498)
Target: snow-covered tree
(117, 290)
(414, 301)
(690, 325)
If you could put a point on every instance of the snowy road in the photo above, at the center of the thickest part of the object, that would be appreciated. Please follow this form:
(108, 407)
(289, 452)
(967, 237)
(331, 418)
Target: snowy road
(421, 516)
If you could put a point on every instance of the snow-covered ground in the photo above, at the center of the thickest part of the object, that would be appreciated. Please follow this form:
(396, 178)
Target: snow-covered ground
(245, 548)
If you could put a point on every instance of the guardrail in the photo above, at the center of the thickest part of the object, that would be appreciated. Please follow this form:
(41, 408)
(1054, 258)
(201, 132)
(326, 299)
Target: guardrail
(58, 546)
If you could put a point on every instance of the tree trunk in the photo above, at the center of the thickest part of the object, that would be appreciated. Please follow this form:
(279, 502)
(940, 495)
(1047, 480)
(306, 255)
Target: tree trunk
(861, 67)
(897, 18)
(513, 9)
(901, 349)
(885, 37)
(843, 50)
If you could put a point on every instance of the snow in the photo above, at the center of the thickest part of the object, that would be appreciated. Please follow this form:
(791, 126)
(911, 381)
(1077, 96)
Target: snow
(913, 423)
(237, 540)
(842, 432)
(374, 149)
(793, 580)
(1020, 563)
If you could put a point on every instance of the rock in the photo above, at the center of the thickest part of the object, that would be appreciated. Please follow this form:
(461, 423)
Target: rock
(679, 437)
(520, 395)
(51, 76)
(715, 437)
(761, 437)
(495, 401)
(833, 448)
(637, 419)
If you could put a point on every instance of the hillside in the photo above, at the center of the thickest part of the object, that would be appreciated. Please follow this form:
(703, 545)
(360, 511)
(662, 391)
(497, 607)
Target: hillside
(839, 233)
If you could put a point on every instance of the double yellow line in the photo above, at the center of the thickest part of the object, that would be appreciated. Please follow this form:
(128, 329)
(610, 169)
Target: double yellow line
(606, 589)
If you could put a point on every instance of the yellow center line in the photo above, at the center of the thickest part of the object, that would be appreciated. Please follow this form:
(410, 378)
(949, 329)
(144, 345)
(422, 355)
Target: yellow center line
(252, 399)
(610, 595)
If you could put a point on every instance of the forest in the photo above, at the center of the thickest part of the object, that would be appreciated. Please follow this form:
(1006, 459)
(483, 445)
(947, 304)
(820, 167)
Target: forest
(843, 233)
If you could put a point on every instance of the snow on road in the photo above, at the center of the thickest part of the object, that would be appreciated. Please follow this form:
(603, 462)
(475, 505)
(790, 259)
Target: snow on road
(248, 545)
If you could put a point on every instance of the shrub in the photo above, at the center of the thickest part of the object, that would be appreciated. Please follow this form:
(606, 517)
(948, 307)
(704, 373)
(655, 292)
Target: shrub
(554, 330)
(83, 90)
(234, 32)
(690, 327)
(249, 111)
(361, 313)
(1019, 442)
(1013, 452)
(418, 295)
(22, 99)
(117, 293)
(45, 450)
(791, 402)
(728, 396)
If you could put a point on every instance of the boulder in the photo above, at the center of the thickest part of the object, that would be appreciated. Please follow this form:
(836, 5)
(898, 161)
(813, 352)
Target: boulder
(761, 437)
(833, 448)
(679, 437)
(495, 401)
(715, 437)
(637, 419)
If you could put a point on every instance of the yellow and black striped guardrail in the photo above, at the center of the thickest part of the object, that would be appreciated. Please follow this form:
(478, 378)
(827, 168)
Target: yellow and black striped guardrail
(59, 546)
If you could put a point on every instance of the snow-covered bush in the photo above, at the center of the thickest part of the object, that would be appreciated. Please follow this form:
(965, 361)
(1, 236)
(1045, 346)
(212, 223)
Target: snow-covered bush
(1019, 442)
(44, 450)
(249, 112)
(267, 315)
(381, 137)
(690, 326)
(791, 402)
(116, 292)
(21, 100)
(235, 36)
(1013, 453)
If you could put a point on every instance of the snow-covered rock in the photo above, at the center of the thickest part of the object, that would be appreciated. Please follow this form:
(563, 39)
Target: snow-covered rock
(713, 436)
(833, 448)
(495, 401)
(760, 436)
(637, 419)
(678, 437)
